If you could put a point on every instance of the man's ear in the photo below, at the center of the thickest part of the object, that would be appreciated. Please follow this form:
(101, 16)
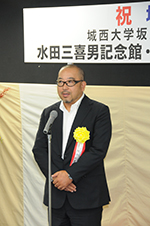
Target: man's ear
(83, 85)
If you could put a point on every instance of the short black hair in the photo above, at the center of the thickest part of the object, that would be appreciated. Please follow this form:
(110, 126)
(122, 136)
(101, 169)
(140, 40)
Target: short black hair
(81, 72)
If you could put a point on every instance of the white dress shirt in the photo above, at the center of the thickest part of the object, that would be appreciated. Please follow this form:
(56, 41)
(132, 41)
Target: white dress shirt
(68, 118)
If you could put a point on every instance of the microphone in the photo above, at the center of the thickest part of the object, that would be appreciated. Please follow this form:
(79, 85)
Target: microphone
(53, 115)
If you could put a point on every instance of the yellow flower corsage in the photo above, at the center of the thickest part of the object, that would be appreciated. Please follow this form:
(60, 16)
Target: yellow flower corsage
(81, 134)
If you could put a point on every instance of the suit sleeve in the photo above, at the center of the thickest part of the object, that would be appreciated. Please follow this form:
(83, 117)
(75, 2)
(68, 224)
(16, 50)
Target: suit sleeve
(40, 148)
(97, 146)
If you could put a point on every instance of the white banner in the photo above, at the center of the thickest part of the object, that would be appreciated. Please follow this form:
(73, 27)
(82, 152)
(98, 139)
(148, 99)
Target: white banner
(117, 33)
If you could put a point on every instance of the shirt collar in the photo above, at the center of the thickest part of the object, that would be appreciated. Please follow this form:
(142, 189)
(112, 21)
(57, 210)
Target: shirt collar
(73, 106)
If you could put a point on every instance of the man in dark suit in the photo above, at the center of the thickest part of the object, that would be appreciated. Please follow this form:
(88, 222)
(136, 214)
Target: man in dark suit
(79, 187)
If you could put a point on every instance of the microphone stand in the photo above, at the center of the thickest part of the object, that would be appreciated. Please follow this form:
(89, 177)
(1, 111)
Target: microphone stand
(49, 178)
(47, 130)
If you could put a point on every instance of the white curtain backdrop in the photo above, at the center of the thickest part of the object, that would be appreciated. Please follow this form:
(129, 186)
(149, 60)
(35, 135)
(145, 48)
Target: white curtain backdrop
(127, 162)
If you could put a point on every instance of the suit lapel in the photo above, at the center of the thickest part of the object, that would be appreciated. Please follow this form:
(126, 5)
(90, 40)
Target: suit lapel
(82, 112)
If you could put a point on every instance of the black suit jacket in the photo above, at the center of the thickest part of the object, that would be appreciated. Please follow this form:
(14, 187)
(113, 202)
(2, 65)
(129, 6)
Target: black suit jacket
(88, 173)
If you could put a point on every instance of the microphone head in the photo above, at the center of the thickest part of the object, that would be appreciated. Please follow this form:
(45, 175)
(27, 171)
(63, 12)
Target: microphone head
(54, 114)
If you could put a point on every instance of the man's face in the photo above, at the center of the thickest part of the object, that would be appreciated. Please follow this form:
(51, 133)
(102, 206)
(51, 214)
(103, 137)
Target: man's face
(70, 95)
